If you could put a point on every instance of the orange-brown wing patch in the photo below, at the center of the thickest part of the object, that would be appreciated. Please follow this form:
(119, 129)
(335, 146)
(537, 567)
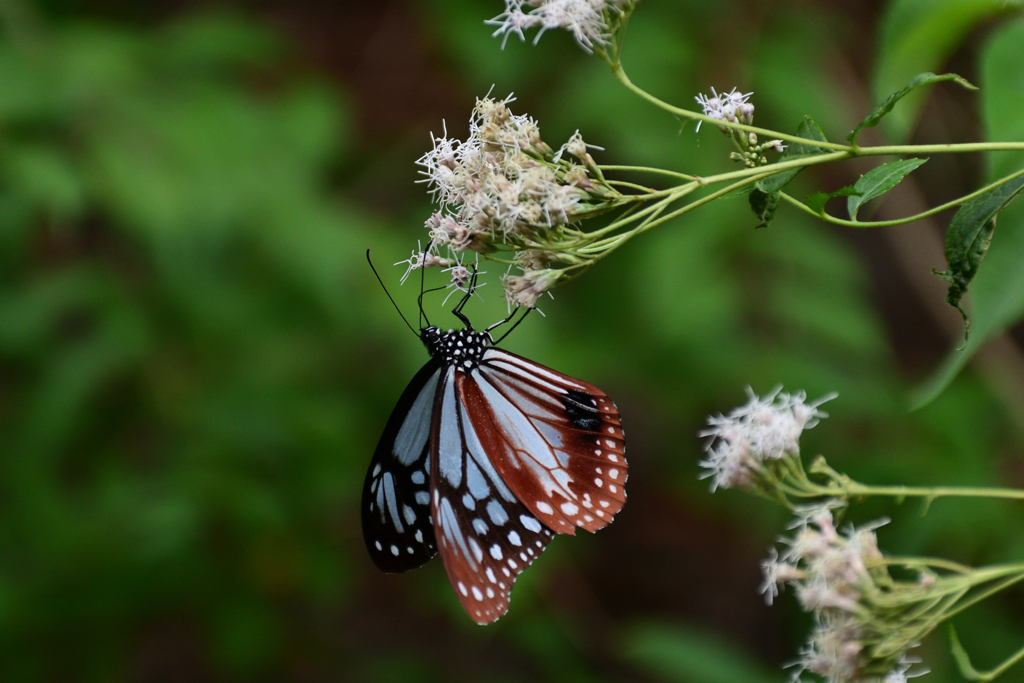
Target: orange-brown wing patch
(556, 442)
(485, 535)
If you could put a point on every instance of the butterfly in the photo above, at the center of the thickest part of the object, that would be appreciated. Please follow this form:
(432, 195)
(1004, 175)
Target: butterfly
(487, 456)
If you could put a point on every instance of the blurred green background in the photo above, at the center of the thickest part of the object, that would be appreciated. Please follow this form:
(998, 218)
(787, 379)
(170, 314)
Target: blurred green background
(196, 363)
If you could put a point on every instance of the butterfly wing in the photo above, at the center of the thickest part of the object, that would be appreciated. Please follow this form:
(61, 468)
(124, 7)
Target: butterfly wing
(556, 442)
(397, 525)
(487, 537)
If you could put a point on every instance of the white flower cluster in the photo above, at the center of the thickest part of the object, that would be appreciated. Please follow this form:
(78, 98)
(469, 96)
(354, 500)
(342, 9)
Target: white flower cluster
(504, 187)
(587, 20)
(831, 571)
(762, 430)
(732, 106)
(836, 653)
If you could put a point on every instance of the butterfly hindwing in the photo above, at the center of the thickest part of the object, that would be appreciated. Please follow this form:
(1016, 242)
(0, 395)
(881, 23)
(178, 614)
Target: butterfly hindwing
(556, 442)
(397, 523)
(486, 536)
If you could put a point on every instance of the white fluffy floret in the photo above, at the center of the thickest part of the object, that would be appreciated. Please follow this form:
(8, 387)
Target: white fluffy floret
(762, 429)
(586, 20)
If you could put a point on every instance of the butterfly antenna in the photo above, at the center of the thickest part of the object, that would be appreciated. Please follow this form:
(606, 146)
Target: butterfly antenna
(389, 293)
(423, 279)
(514, 325)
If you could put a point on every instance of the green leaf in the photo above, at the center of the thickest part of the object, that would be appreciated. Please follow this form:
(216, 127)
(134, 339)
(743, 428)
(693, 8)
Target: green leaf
(878, 181)
(968, 239)
(818, 200)
(917, 81)
(809, 129)
(763, 205)
(917, 36)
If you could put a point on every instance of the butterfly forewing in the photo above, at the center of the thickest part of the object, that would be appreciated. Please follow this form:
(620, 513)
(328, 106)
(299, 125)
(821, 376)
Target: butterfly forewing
(556, 442)
(485, 534)
(397, 524)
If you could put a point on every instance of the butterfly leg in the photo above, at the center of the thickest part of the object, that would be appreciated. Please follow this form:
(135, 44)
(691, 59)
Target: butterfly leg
(457, 311)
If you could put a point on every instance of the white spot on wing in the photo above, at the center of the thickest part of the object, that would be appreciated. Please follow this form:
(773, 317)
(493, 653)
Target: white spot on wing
(475, 480)
(478, 552)
(497, 513)
(530, 523)
(392, 499)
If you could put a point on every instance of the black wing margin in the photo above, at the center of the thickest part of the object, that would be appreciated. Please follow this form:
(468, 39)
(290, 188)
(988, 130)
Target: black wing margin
(397, 523)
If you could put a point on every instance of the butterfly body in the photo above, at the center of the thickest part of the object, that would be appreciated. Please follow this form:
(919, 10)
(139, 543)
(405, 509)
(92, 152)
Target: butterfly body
(486, 456)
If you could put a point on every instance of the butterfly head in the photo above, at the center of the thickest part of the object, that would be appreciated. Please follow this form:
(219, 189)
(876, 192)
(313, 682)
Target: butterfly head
(431, 337)
(463, 347)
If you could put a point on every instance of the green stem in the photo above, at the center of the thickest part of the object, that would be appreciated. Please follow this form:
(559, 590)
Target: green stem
(602, 249)
(772, 169)
(647, 169)
(852, 151)
(622, 221)
(632, 186)
(882, 150)
(856, 489)
(916, 562)
(983, 595)
(999, 670)
(900, 221)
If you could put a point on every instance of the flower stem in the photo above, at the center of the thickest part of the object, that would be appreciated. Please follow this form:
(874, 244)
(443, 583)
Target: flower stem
(985, 594)
(856, 489)
(917, 562)
(620, 74)
(647, 169)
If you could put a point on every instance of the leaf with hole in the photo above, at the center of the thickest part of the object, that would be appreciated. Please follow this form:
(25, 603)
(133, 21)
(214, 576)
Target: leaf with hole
(968, 239)
(763, 204)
